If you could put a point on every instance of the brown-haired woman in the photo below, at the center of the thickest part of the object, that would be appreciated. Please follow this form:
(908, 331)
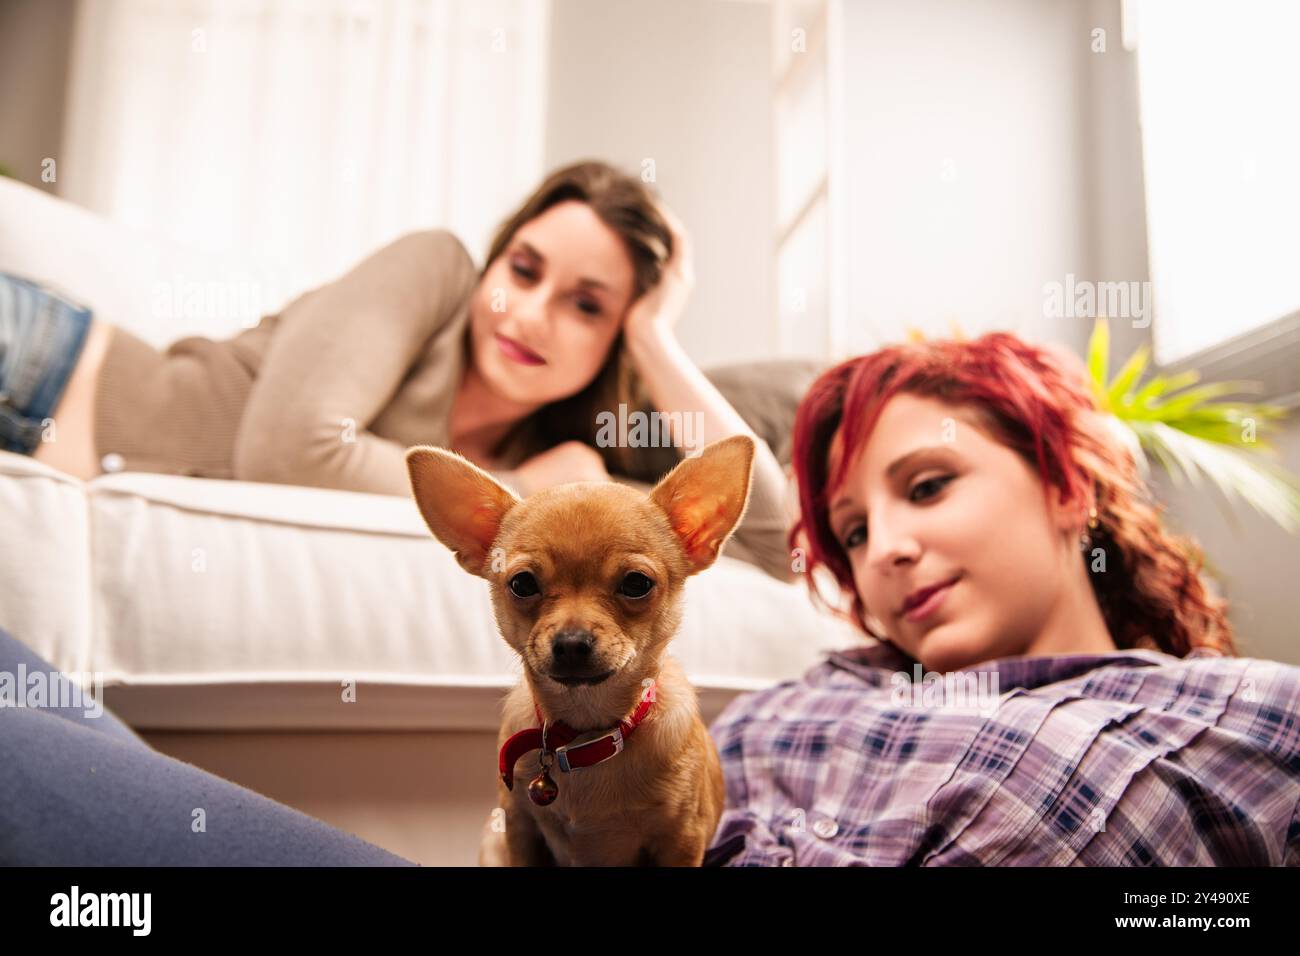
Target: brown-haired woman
(571, 315)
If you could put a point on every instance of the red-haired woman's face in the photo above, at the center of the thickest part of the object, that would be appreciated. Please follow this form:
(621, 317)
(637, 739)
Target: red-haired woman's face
(932, 498)
(548, 309)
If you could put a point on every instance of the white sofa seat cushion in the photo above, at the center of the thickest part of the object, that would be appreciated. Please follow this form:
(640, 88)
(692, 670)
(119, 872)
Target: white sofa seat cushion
(204, 589)
(231, 605)
(45, 573)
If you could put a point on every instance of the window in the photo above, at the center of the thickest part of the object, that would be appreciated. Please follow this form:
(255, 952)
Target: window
(802, 104)
(1219, 90)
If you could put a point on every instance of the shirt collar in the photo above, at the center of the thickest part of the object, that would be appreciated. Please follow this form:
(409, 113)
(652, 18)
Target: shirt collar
(877, 662)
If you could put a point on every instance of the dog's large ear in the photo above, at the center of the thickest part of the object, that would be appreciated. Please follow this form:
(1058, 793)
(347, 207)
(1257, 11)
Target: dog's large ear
(461, 503)
(705, 497)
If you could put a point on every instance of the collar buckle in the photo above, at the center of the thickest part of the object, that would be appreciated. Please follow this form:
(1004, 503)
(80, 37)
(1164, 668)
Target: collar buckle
(562, 753)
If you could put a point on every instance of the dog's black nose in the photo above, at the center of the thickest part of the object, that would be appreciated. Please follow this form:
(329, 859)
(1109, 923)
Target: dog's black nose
(571, 651)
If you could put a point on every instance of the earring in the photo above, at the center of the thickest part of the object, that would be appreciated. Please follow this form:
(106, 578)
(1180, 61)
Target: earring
(1085, 539)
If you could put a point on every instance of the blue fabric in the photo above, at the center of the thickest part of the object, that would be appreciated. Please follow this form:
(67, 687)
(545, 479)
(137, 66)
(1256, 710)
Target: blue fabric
(41, 337)
(78, 790)
(15, 654)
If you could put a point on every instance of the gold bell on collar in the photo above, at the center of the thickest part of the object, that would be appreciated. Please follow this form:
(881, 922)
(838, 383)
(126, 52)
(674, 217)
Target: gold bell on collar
(542, 790)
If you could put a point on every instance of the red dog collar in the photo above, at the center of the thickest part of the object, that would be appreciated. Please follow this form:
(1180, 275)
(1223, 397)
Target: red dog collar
(554, 739)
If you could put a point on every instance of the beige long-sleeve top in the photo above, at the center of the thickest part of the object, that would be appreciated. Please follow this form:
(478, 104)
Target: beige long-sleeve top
(332, 390)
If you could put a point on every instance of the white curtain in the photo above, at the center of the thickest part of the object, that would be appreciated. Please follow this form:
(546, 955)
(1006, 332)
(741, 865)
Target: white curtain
(306, 133)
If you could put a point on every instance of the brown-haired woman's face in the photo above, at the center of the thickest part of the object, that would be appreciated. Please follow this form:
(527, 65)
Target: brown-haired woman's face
(932, 499)
(548, 309)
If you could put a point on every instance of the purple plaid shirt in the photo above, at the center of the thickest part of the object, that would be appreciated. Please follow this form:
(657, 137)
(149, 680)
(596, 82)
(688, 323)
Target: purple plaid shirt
(1134, 758)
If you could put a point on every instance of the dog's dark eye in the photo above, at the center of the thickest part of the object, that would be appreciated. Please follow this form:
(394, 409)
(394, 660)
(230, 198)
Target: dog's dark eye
(635, 585)
(524, 585)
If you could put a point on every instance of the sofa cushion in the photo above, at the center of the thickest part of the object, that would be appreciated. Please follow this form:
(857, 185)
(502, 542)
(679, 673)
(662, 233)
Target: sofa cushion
(766, 394)
(45, 573)
(233, 605)
(155, 288)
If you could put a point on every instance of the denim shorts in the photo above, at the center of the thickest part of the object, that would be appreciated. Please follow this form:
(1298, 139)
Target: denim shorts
(42, 333)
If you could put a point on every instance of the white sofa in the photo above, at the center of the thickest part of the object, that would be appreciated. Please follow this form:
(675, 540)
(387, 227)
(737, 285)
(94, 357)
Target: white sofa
(225, 617)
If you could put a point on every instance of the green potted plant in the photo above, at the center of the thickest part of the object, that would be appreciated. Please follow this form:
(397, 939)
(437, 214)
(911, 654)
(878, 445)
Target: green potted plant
(1193, 434)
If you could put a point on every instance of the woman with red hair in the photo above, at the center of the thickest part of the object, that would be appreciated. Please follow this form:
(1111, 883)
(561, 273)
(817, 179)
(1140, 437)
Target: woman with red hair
(1050, 682)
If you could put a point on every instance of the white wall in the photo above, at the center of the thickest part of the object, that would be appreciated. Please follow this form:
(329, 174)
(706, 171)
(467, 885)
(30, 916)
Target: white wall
(964, 164)
(35, 42)
(687, 84)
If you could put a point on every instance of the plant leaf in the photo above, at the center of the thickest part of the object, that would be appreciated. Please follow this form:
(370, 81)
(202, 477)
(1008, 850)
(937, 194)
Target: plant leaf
(1098, 353)
(1269, 490)
(1194, 437)
(1223, 433)
(1127, 376)
(1178, 405)
(1130, 440)
(1163, 385)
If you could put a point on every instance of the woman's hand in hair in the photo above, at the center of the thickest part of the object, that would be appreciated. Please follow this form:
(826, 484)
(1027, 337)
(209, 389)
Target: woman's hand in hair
(658, 308)
(566, 462)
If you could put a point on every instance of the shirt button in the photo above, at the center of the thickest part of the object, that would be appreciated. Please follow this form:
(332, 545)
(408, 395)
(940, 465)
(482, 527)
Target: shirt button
(112, 461)
(826, 828)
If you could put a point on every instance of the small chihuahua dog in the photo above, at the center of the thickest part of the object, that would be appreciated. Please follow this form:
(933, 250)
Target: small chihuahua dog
(587, 589)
